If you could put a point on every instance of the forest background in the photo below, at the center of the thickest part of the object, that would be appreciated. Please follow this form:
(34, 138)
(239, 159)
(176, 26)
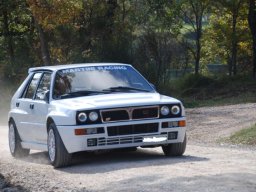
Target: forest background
(193, 49)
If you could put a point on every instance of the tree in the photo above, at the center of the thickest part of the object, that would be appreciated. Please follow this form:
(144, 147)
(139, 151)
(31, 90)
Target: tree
(193, 12)
(252, 25)
(48, 15)
(16, 38)
(157, 27)
(156, 36)
(43, 44)
(232, 7)
(6, 32)
(218, 40)
(227, 36)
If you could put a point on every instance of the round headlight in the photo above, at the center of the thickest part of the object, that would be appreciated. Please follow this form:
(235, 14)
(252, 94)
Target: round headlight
(93, 116)
(175, 110)
(165, 110)
(82, 117)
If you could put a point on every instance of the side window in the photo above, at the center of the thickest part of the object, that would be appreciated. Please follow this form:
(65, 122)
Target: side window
(43, 87)
(32, 86)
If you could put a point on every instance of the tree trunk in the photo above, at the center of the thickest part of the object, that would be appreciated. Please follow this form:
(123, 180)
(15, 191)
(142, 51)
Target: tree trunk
(229, 65)
(9, 39)
(254, 58)
(44, 45)
(112, 6)
(199, 17)
(252, 25)
(198, 54)
(234, 44)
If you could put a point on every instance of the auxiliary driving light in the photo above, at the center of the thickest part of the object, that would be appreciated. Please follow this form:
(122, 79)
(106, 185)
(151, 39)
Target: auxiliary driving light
(91, 142)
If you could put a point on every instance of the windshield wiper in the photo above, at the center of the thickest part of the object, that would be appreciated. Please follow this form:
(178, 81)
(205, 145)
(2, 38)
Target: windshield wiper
(123, 88)
(82, 93)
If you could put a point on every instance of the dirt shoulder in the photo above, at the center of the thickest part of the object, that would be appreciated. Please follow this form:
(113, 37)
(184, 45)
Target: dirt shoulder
(207, 125)
(206, 165)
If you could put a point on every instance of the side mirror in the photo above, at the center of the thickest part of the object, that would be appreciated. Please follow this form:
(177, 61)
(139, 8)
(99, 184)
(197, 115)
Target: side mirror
(46, 96)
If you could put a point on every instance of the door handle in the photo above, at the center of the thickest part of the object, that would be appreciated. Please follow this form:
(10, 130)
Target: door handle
(17, 104)
(31, 106)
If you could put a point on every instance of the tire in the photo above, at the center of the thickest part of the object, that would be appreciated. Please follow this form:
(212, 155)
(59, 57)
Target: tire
(57, 152)
(175, 149)
(15, 142)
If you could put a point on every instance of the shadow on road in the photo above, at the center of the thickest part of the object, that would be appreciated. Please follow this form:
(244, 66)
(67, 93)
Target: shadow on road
(113, 161)
(90, 163)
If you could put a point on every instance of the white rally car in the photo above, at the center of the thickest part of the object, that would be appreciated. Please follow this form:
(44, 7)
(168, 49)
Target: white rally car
(91, 107)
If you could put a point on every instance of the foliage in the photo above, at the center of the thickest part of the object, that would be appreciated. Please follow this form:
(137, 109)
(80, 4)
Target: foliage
(52, 13)
(220, 39)
(252, 26)
(17, 38)
(155, 36)
(193, 13)
(199, 90)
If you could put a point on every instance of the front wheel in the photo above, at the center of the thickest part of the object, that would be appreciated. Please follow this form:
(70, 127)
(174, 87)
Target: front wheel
(15, 142)
(175, 149)
(57, 152)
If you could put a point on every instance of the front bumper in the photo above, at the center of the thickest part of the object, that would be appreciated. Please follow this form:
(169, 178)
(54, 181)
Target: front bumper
(101, 141)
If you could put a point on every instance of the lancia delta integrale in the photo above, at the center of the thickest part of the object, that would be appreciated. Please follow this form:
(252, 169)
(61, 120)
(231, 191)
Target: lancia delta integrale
(91, 107)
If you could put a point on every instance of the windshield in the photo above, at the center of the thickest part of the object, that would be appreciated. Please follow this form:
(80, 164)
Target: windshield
(83, 81)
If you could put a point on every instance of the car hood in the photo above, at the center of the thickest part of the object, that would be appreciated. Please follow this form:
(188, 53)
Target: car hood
(113, 100)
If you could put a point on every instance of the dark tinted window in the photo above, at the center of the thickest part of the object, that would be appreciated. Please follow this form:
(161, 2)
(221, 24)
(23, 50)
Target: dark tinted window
(62, 86)
(44, 86)
(32, 86)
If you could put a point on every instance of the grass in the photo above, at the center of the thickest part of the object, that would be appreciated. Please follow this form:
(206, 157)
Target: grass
(244, 137)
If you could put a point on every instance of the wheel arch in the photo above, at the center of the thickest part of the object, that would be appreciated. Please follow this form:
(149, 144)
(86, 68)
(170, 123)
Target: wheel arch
(62, 157)
(49, 121)
(11, 119)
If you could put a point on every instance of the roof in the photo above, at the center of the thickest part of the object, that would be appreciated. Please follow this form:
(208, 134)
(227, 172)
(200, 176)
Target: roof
(68, 66)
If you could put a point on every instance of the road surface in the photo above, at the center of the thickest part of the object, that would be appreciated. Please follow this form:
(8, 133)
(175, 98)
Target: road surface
(205, 166)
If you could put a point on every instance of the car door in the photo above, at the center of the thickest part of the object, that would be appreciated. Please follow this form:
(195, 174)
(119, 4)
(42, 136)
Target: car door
(39, 109)
(23, 118)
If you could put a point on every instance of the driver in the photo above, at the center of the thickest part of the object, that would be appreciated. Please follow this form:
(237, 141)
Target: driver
(62, 86)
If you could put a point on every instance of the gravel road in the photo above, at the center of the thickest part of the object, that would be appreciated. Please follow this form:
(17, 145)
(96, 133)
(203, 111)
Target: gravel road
(206, 165)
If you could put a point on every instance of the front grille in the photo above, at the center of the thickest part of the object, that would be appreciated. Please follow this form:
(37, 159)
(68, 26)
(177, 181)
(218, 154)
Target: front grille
(120, 140)
(131, 113)
(144, 113)
(114, 115)
(132, 129)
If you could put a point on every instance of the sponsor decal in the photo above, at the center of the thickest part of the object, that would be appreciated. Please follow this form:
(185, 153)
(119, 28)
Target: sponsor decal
(94, 68)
